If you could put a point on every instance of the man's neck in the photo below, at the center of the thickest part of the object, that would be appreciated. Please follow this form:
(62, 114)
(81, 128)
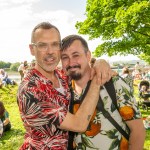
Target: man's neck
(79, 85)
(50, 75)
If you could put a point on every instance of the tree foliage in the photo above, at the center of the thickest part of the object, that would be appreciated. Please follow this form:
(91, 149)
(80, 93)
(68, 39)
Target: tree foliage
(123, 25)
(14, 66)
(145, 57)
(4, 64)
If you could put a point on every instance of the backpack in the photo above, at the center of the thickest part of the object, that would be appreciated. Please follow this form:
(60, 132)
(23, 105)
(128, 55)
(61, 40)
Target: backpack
(100, 106)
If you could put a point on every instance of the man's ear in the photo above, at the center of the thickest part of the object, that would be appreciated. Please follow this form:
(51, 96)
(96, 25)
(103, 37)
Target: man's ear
(31, 49)
(89, 56)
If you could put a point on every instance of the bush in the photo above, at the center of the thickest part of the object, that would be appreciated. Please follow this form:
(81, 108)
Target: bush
(14, 66)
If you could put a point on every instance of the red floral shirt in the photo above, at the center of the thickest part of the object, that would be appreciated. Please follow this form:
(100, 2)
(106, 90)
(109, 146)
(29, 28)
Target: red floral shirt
(42, 109)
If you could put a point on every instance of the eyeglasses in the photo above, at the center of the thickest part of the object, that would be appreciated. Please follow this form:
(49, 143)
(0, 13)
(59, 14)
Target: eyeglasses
(45, 46)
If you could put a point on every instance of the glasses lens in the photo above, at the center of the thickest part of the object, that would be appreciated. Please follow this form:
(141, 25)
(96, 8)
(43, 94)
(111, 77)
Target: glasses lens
(42, 46)
(56, 45)
(45, 46)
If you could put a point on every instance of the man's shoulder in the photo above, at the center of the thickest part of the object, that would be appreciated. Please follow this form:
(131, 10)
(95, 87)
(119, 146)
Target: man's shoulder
(30, 79)
(119, 82)
(116, 78)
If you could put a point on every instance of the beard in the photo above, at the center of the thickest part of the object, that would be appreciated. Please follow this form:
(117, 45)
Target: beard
(75, 76)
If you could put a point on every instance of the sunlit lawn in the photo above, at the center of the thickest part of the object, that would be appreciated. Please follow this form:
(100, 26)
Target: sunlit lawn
(14, 138)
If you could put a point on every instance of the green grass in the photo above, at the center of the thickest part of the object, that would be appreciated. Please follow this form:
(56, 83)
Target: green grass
(13, 139)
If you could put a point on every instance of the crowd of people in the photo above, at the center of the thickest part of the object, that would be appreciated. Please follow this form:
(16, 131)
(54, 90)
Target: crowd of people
(140, 72)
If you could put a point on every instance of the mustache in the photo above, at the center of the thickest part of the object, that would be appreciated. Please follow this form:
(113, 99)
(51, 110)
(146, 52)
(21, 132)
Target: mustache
(76, 66)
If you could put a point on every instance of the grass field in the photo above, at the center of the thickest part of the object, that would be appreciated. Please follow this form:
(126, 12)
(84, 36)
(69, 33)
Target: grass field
(14, 138)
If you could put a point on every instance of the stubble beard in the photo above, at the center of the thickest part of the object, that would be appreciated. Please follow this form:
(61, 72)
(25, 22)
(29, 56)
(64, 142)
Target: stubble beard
(47, 68)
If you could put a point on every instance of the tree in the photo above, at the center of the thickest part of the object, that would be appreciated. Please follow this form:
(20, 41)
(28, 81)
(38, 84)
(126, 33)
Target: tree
(144, 57)
(4, 64)
(123, 25)
(14, 66)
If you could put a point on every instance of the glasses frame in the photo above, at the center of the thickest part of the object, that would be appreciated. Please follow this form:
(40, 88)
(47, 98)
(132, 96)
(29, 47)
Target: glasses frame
(48, 45)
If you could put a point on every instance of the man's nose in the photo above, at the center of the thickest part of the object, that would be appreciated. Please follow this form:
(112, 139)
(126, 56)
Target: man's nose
(50, 48)
(71, 61)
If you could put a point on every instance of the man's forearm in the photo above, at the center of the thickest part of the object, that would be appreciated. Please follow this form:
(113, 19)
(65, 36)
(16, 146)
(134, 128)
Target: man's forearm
(79, 121)
(136, 142)
(137, 134)
(88, 105)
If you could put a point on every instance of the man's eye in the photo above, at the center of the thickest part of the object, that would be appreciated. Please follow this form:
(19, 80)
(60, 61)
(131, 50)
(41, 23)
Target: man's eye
(40, 45)
(75, 56)
(64, 58)
(56, 44)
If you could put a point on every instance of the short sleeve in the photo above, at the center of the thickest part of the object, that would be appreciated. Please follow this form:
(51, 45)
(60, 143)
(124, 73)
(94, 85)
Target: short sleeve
(128, 107)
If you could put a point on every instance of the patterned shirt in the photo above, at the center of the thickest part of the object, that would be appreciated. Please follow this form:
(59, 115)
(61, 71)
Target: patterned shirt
(129, 80)
(42, 109)
(103, 135)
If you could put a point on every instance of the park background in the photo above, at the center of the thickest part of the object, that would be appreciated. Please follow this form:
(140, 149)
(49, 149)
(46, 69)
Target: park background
(114, 29)
(13, 139)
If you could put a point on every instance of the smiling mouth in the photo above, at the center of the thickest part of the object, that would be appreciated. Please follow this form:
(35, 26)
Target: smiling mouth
(73, 67)
(49, 59)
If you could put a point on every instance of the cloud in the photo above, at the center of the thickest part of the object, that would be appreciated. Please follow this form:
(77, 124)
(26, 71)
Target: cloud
(18, 18)
(17, 21)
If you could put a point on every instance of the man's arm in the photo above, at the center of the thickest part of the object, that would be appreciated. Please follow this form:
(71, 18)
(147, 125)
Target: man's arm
(103, 71)
(79, 121)
(6, 121)
(137, 134)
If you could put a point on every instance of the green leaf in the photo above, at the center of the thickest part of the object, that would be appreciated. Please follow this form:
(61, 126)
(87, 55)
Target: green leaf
(124, 26)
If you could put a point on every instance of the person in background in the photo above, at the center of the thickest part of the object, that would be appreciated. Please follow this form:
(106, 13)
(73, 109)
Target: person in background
(25, 70)
(32, 65)
(22, 68)
(101, 134)
(127, 77)
(138, 67)
(4, 118)
(43, 96)
(145, 75)
(144, 90)
(137, 71)
(4, 78)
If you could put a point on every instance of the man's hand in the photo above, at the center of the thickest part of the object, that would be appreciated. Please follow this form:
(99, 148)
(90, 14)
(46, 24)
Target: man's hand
(103, 71)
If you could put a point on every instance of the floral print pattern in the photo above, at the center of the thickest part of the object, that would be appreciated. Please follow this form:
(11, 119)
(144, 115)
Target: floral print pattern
(42, 109)
(108, 137)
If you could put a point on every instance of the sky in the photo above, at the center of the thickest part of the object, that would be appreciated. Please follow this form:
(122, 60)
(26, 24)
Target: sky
(18, 18)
